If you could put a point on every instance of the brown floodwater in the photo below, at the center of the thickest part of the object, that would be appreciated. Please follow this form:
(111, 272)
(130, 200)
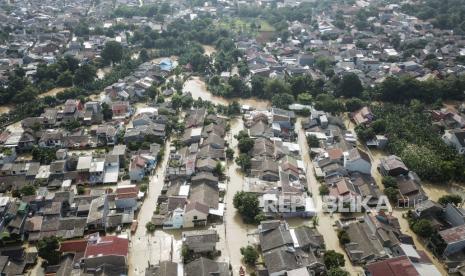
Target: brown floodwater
(197, 87)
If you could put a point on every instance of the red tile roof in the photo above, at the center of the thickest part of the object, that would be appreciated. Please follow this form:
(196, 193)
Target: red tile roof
(107, 246)
(400, 266)
(73, 246)
(125, 190)
(126, 195)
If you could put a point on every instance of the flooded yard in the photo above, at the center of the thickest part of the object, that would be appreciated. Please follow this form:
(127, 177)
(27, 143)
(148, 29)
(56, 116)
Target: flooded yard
(433, 191)
(209, 50)
(52, 92)
(198, 89)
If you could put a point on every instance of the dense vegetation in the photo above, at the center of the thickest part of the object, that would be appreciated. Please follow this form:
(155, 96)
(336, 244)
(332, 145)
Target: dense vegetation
(21, 91)
(413, 138)
(448, 14)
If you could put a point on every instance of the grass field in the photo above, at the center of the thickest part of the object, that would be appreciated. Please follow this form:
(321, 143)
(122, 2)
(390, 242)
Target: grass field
(246, 25)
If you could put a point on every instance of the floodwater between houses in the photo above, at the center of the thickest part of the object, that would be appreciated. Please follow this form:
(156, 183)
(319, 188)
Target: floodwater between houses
(197, 87)
(433, 191)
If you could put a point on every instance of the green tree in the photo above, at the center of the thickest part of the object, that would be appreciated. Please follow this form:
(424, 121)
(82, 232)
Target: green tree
(243, 161)
(150, 227)
(229, 153)
(85, 74)
(144, 55)
(282, 100)
(219, 170)
(389, 181)
(305, 98)
(28, 190)
(249, 254)
(65, 79)
(350, 86)
(392, 193)
(453, 199)
(343, 237)
(323, 190)
(274, 87)
(245, 144)
(353, 104)
(337, 271)
(423, 228)
(107, 112)
(313, 141)
(47, 249)
(247, 205)
(112, 52)
(333, 259)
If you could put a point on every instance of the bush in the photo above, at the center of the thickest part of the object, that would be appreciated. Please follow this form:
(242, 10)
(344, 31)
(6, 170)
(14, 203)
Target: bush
(324, 190)
(332, 259)
(229, 154)
(423, 228)
(453, 199)
(389, 182)
(150, 227)
(143, 188)
(391, 193)
(247, 205)
(249, 254)
(47, 249)
(343, 237)
(313, 141)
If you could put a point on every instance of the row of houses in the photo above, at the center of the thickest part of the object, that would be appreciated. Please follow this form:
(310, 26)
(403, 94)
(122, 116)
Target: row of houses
(277, 174)
(194, 176)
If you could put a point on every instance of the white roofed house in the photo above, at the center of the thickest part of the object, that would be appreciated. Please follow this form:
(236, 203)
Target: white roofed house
(96, 171)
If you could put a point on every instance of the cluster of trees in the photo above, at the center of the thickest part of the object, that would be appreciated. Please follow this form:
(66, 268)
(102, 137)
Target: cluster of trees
(18, 89)
(245, 145)
(27, 105)
(248, 207)
(333, 262)
(413, 138)
(448, 15)
(249, 254)
(179, 36)
(48, 250)
(404, 89)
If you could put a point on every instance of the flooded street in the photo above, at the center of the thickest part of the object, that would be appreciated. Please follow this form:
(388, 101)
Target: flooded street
(145, 248)
(237, 233)
(434, 192)
(325, 220)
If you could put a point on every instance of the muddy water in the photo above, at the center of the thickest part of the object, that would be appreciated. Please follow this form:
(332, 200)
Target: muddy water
(101, 72)
(325, 220)
(419, 244)
(236, 234)
(52, 92)
(5, 109)
(145, 248)
(208, 50)
(198, 89)
(433, 191)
